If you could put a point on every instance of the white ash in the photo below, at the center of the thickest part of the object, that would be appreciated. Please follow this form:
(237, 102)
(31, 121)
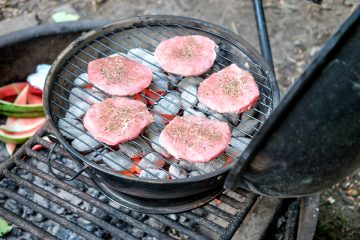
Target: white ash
(187, 165)
(85, 143)
(189, 81)
(145, 57)
(176, 171)
(130, 150)
(169, 104)
(117, 161)
(77, 111)
(205, 109)
(159, 83)
(237, 146)
(189, 97)
(141, 144)
(71, 128)
(211, 166)
(191, 111)
(151, 161)
(95, 97)
(173, 79)
(156, 145)
(195, 174)
(154, 174)
(81, 80)
(233, 118)
(245, 128)
(78, 95)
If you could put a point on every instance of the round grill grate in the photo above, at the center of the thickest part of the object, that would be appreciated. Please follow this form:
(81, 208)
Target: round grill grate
(68, 74)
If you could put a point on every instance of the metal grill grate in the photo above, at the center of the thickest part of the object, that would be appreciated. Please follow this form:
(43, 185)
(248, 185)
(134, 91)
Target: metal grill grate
(147, 37)
(232, 211)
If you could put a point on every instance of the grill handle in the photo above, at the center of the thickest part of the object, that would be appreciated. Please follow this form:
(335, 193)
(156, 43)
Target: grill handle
(312, 139)
(55, 174)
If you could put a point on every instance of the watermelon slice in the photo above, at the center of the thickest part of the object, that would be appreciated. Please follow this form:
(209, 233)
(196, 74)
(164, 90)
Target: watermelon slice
(22, 124)
(34, 99)
(20, 137)
(20, 108)
(10, 148)
(12, 89)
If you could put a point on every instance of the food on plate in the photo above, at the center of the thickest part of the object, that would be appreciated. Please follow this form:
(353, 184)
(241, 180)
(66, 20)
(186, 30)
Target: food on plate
(117, 120)
(194, 138)
(231, 90)
(190, 55)
(119, 76)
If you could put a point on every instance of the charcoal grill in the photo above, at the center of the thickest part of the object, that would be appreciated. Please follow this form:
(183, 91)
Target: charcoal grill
(146, 33)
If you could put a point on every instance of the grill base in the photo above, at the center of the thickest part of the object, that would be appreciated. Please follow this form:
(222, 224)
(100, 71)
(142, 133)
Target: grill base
(157, 206)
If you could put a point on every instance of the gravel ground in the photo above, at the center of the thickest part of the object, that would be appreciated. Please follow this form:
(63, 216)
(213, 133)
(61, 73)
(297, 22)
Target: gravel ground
(297, 31)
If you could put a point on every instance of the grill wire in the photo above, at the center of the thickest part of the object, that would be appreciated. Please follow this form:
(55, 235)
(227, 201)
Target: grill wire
(147, 38)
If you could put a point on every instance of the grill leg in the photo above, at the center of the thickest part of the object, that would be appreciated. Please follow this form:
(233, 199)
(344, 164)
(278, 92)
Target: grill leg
(263, 33)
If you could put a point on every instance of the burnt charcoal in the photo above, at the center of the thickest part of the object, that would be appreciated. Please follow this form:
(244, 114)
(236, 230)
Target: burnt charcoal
(159, 82)
(78, 95)
(155, 224)
(249, 114)
(245, 128)
(189, 81)
(199, 211)
(149, 238)
(96, 97)
(103, 198)
(130, 150)
(145, 57)
(69, 197)
(100, 214)
(101, 234)
(96, 156)
(169, 104)
(173, 217)
(25, 192)
(117, 161)
(237, 146)
(187, 165)
(63, 233)
(70, 163)
(41, 200)
(152, 161)
(189, 97)
(219, 117)
(77, 184)
(26, 212)
(135, 232)
(81, 80)
(77, 111)
(156, 145)
(158, 125)
(210, 166)
(13, 206)
(27, 176)
(36, 217)
(137, 215)
(71, 128)
(195, 173)
(2, 197)
(85, 206)
(85, 143)
(205, 109)
(154, 174)
(47, 225)
(93, 192)
(56, 208)
(176, 171)
(16, 232)
(27, 236)
(232, 118)
(39, 181)
(9, 184)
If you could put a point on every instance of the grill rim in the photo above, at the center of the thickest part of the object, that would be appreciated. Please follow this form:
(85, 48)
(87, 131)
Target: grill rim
(218, 31)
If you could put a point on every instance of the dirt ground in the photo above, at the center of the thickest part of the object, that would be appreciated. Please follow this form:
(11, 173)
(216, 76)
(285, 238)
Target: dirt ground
(297, 31)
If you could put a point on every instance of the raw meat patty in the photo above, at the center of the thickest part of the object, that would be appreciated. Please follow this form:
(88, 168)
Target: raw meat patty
(186, 56)
(117, 120)
(119, 76)
(231, 90)
(195, 138)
